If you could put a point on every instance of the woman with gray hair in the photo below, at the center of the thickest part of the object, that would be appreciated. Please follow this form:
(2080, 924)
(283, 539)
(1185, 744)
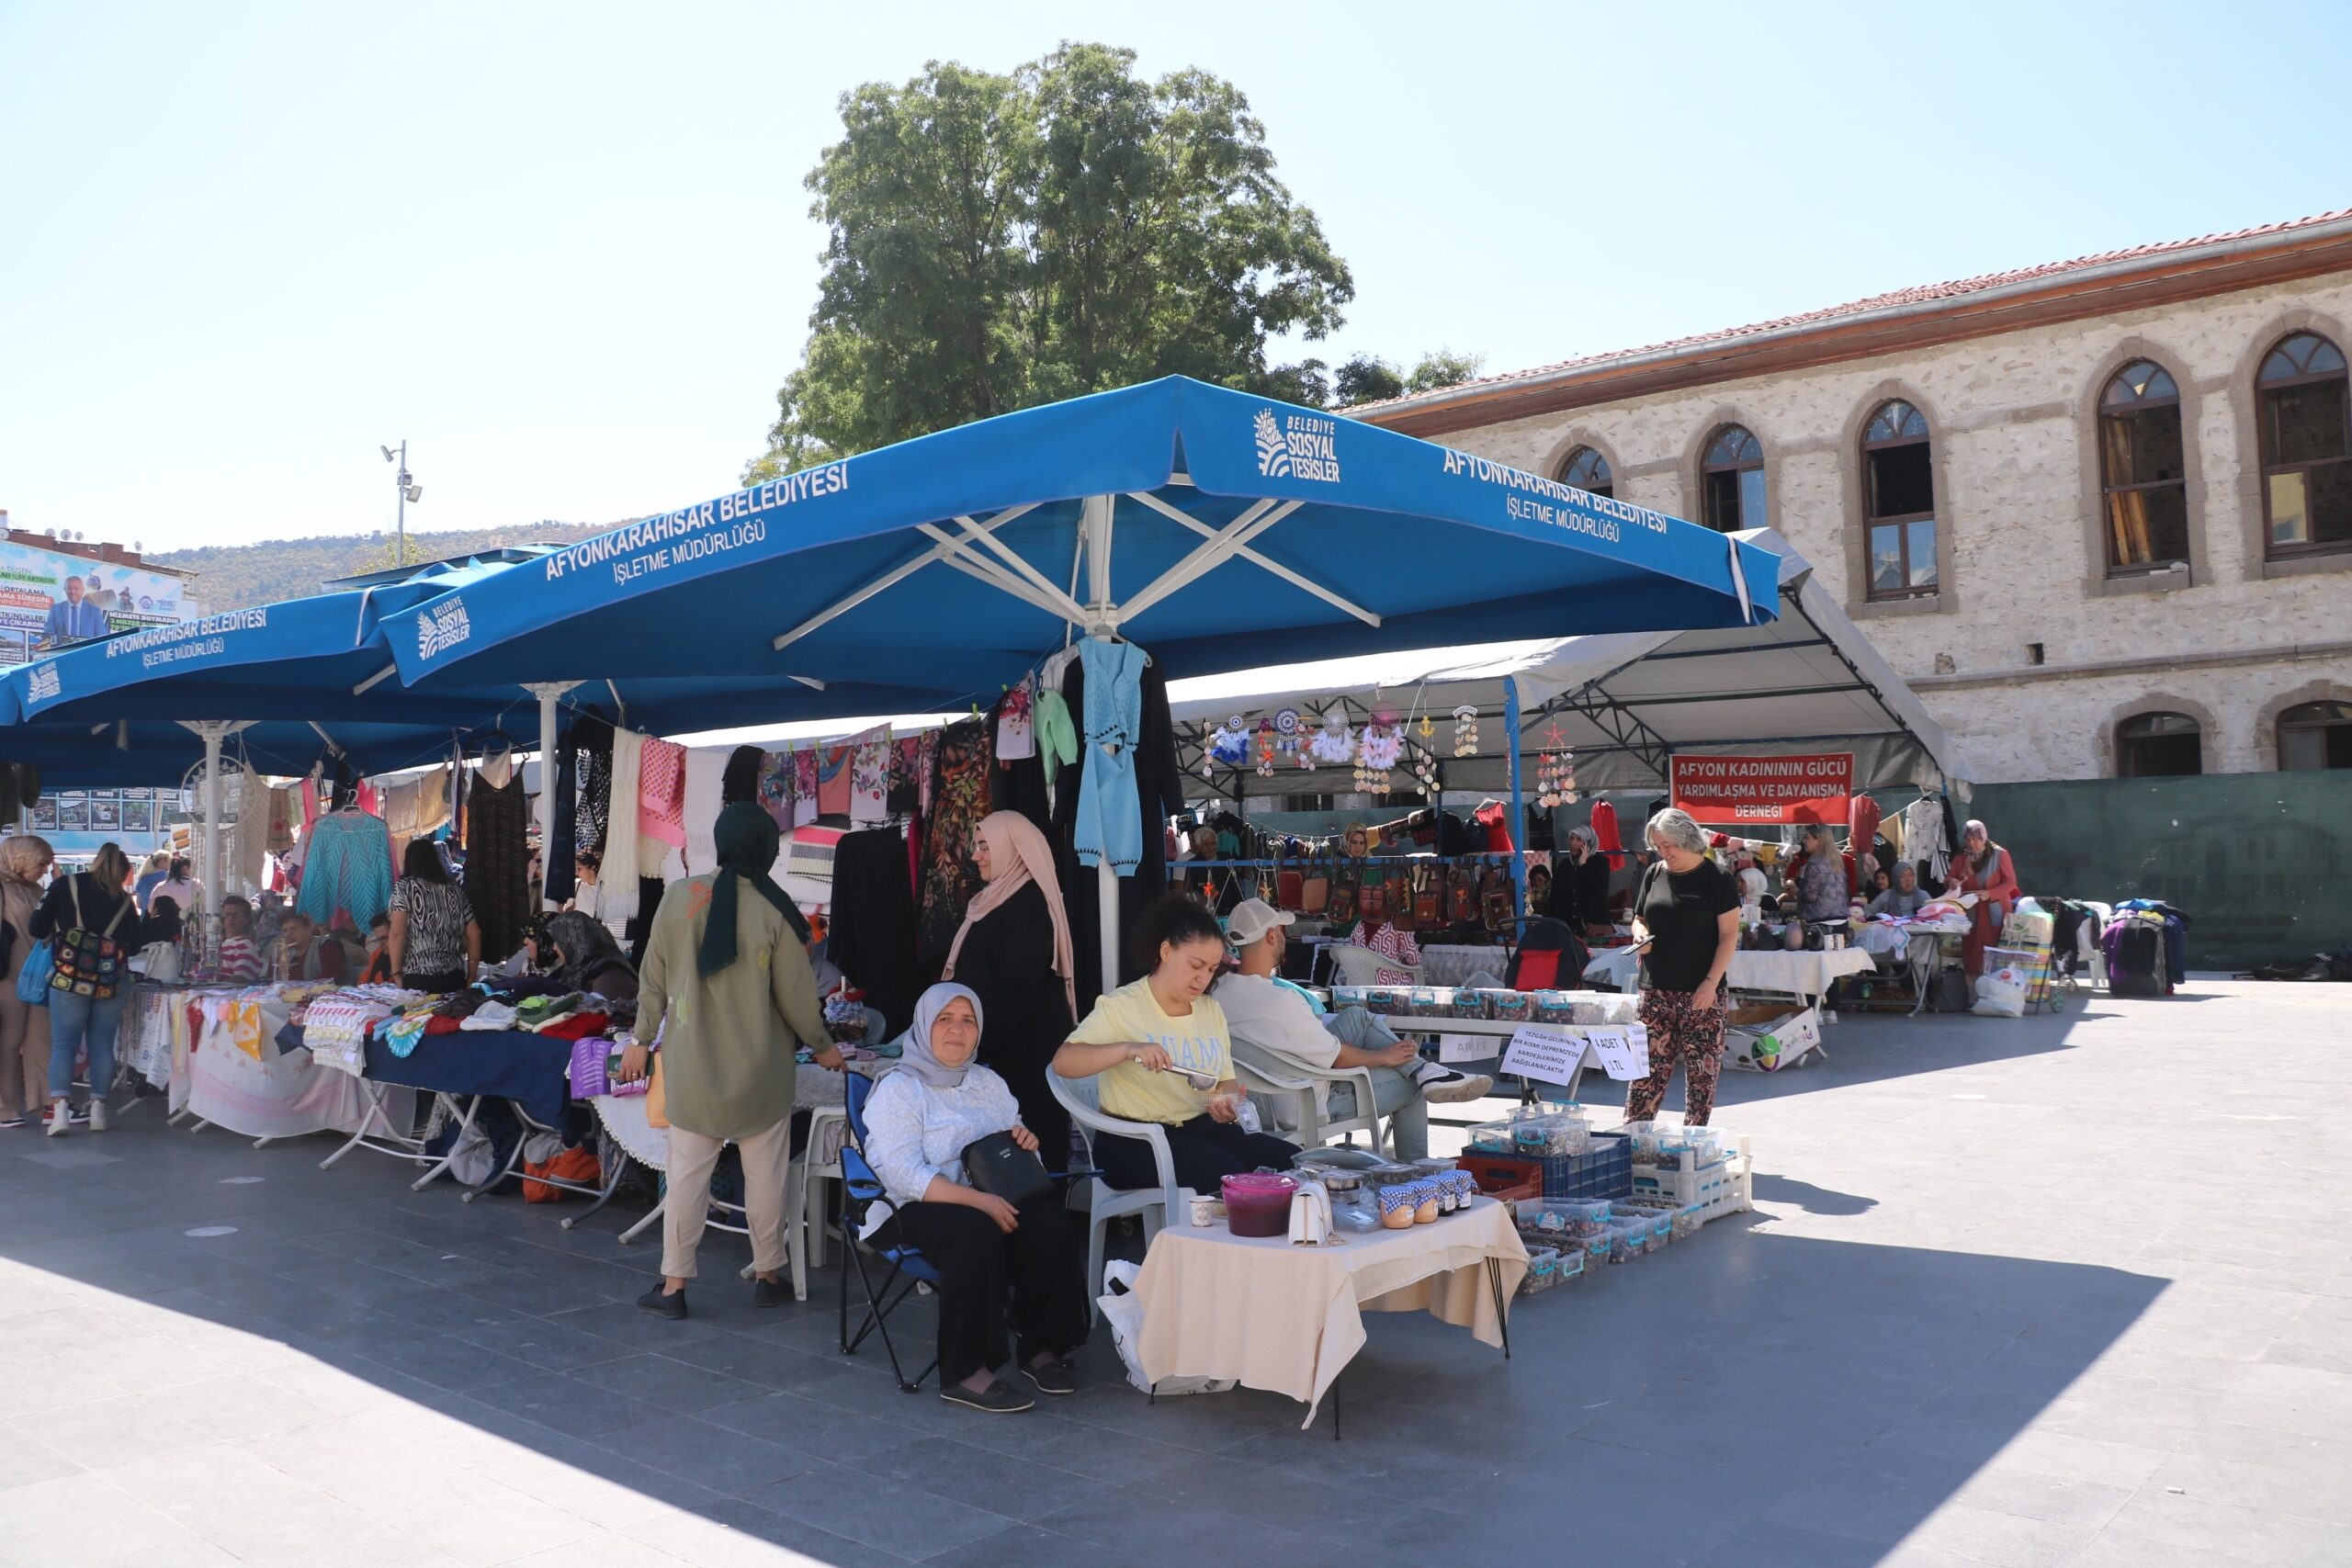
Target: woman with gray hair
(1686, 916)
(1581, 887)
(1983, 867)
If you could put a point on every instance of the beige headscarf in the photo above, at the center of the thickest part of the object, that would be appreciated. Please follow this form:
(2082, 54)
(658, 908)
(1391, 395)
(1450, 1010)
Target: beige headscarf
(1021, 855)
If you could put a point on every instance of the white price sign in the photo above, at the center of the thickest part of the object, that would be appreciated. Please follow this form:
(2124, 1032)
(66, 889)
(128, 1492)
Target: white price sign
(1548, 1056)
(1466, 1047)
(1623, 1052)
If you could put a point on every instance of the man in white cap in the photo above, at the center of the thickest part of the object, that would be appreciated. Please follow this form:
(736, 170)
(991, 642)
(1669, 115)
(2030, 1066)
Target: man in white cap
(1274, 1015)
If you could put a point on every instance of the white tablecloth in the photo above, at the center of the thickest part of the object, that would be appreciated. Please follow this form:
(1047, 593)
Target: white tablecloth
(279, 1096)
(1262, 1312)
(1797, 974)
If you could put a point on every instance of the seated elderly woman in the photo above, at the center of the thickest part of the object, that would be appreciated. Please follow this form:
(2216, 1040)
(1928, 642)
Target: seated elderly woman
(935, 1103)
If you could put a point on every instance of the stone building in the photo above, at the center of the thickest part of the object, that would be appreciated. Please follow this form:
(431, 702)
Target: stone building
(2098, 512)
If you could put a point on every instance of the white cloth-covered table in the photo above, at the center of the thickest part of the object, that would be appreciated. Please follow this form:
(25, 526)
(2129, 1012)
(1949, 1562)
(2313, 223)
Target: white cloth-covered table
(1262, 1312)
(1806, 975)
(275, 1095)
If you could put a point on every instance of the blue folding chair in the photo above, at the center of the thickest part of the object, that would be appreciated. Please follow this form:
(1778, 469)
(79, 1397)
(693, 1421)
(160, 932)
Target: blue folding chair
(861, 1188)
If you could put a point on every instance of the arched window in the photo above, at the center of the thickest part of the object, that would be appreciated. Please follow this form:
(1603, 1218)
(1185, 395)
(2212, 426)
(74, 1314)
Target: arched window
(2158, 745)
(1899, 491)
(1588, 470)
(2140, 469)
(2306, 446)
(1732, 477)
(2316, 735)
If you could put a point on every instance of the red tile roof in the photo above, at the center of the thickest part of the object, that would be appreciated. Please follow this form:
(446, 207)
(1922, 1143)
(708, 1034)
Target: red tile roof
(1897, 300)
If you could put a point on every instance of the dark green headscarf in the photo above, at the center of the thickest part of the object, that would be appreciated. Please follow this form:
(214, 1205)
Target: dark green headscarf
(748, 841)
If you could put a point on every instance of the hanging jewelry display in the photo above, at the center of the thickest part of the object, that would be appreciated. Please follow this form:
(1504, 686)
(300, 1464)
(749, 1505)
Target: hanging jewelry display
(1465, 730)
(1425, 766)
(1555, 770)
(1265, 748)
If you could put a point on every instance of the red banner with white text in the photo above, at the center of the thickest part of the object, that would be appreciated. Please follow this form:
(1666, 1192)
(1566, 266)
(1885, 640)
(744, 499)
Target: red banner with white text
(1811, 787)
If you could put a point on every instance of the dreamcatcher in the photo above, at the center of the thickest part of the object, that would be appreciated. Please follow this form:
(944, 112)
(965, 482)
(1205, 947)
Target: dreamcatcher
(1286, 737)
(1334, 743)
(1381, 749)
(1227, 747)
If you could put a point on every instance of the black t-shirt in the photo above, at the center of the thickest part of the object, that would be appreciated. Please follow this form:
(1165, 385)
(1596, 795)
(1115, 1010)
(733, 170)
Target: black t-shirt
(1681, 912)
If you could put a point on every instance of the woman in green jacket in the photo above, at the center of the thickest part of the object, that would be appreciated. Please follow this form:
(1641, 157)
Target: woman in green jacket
(728, 991)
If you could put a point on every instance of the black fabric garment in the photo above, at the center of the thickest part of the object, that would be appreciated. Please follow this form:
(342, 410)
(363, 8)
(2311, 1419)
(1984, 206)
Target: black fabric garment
(872, 938)
(498, 865)
(560, 874)
(639, 928)
(1037, 1270)
(740, 780)
(433, 982)
(1203, 1150)
(1007, 959)
(591, 739)
(19, 790)
(1160, 792)
(1682, 912)
(1580, 893)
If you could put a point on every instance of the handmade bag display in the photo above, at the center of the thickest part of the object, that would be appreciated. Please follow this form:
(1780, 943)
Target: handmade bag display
(1345, 882)
(1372, 898)
(1429, 910)
(89, 963)
(1462, 894)
(1315, 890)
(1497, 898)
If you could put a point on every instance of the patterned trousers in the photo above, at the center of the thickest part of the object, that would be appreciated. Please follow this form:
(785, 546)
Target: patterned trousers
(1693, 1036)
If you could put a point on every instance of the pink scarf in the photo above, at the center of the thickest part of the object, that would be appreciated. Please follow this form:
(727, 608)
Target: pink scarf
(1020, 856)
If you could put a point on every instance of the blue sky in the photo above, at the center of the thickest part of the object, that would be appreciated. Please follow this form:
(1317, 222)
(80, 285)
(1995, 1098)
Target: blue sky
(564, 249)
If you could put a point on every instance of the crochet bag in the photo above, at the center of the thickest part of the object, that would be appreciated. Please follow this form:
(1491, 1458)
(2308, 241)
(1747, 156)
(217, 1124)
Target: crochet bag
(89, 963)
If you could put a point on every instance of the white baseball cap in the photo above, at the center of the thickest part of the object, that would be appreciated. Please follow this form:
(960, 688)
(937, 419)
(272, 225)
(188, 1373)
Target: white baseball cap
(1253, 919)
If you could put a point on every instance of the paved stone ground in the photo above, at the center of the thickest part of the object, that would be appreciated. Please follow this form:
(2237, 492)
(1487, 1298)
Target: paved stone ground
(2057, 1291)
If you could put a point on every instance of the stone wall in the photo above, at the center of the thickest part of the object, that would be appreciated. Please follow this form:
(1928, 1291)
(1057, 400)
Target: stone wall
(2017, 490)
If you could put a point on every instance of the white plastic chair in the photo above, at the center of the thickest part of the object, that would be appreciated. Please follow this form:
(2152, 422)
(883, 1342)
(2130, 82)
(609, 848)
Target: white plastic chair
(1300, 1086)
(1082, 1098)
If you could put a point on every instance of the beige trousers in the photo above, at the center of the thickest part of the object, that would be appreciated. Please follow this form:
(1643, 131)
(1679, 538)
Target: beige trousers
(24, 1053)
(767, 1167)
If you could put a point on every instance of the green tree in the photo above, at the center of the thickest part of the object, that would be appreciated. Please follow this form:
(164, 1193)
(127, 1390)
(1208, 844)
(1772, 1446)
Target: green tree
(1367, 379)
(1443, 368)
(997, 242)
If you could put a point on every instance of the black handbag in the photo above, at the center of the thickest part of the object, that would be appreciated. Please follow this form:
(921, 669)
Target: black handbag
(1002, 1169)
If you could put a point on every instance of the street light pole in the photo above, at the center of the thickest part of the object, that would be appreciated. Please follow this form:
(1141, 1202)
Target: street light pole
(405, 489)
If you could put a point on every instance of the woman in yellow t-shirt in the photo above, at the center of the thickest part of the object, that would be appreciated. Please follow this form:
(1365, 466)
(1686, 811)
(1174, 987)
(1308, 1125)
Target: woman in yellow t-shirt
(1161, 1047)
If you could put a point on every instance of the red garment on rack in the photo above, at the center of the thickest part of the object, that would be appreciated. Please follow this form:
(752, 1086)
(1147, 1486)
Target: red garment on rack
(1604, 833)
(1862, 820)
(1495, 817)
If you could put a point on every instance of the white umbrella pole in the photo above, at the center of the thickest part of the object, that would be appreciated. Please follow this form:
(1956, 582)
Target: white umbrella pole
(548, 692)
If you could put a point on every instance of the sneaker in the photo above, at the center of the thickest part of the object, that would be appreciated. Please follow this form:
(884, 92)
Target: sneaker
(98, 1122)
(773, 1292)
(999, 1398)
(8, 1121)
(61, 1119)
(1444, 1086)
(671, 1306)
(1054, 1377)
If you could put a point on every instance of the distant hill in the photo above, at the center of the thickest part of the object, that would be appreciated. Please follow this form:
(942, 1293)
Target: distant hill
(232, 577)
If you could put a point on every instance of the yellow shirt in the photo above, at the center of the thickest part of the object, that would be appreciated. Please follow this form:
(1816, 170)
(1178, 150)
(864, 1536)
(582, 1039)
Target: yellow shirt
(1131, 1090)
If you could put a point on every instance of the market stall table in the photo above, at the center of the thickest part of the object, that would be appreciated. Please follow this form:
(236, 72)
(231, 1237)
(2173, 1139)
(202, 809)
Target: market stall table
(1916, 945)
(182, 1041)
(1805, 976)
(1259, 1311)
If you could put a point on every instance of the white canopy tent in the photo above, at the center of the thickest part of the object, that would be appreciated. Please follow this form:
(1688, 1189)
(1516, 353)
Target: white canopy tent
(1623, 702)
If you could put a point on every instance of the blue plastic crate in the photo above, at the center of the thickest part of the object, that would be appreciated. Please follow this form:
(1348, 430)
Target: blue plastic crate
(1605, 1171)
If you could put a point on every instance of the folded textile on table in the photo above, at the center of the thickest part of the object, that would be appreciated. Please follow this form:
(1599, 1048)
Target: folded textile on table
(538, 1010)
(400, 1034)
(574, 1026)
(489, 1015)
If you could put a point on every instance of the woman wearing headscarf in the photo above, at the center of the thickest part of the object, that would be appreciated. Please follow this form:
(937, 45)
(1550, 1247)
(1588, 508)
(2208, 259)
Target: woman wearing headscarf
(1983, 867)
(587, 958)
(728, 996)
(24, 1028)
(1014, 950)
(995, 1259)
(1580, 889)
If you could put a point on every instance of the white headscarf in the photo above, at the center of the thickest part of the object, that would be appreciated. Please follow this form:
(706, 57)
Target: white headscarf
(914, 1046)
